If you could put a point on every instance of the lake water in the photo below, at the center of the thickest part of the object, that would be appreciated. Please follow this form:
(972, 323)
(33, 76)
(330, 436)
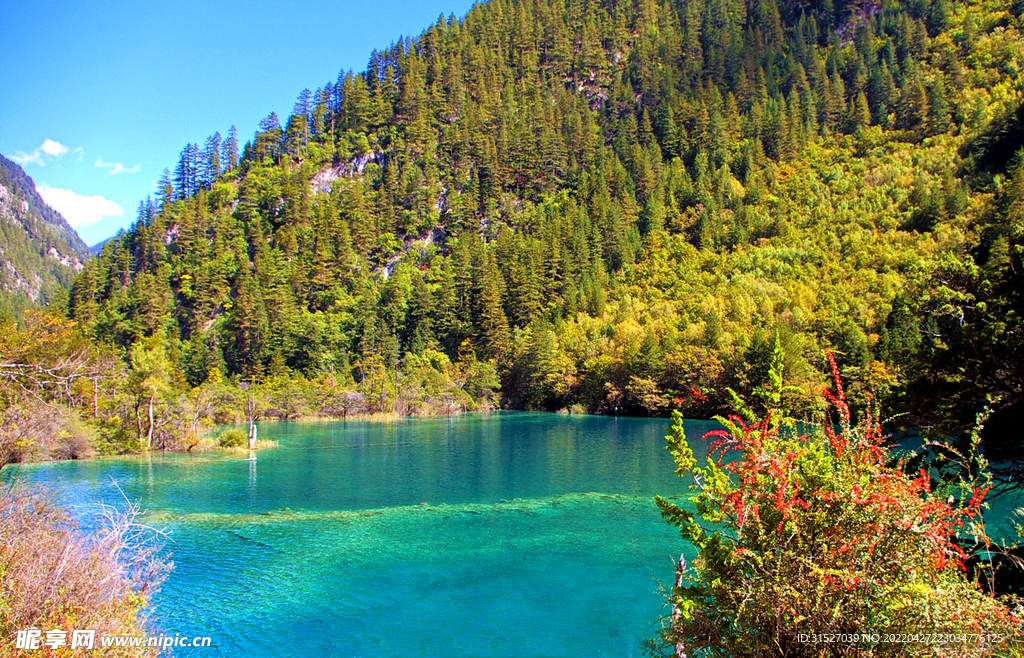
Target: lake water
(504, 534)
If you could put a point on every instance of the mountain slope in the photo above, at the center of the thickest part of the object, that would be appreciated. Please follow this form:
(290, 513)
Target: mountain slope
(620, 206)
(39, 251)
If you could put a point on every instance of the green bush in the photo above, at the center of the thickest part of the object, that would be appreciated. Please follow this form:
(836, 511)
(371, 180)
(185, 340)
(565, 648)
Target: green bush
(819, 536)
(233, 437)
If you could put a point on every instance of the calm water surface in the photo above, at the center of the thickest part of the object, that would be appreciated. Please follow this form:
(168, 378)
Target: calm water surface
(505, 534)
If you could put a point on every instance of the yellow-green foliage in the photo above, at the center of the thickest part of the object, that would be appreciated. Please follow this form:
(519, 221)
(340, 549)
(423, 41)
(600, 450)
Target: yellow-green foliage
(232, 437)
(612, 207)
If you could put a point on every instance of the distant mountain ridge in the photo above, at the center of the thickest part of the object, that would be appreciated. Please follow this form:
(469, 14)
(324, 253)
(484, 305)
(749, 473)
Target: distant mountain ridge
(39, 251)
(97, 248)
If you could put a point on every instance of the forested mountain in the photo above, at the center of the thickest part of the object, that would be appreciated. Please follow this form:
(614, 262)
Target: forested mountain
(39, 252)
(618, 206)
(97, 248)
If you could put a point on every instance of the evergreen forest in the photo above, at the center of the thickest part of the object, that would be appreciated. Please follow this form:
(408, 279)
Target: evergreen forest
(602, 207)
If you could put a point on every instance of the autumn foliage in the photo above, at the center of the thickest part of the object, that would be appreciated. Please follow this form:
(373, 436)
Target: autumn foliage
(818, 534)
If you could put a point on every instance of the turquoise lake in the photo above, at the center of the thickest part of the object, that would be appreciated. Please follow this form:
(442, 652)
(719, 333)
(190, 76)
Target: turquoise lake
(502, 534)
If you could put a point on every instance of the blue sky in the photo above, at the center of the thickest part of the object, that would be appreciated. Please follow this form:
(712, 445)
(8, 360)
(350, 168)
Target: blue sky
(98, 97)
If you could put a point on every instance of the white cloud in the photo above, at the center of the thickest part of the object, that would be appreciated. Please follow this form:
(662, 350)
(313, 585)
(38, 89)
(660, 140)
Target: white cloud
(117, 167)
(49, 150)
(53, 149)
(23, 158)
(79, 210)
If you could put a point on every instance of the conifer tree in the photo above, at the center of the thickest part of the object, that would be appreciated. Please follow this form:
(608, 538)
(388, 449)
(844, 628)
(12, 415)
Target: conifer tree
(249, 328)
(229, 151)
(211, 167)
(491, 323)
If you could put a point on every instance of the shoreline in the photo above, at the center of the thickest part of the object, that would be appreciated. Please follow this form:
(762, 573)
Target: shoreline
(213, 450)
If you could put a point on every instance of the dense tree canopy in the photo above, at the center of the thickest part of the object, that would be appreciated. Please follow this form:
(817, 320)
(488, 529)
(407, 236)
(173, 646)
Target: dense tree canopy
(617, 206)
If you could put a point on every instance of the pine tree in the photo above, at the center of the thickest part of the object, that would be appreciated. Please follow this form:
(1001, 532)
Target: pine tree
(420, 325)
(248, 328)
(861, 111)
(229, 151)
(491, 323)
(211, 156)
(165, 192)
(187, 173)
(268, 139)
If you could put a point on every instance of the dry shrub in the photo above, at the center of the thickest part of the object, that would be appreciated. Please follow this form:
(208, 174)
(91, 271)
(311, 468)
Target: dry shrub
(342, 404)
(32, 430)
(52, 576)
